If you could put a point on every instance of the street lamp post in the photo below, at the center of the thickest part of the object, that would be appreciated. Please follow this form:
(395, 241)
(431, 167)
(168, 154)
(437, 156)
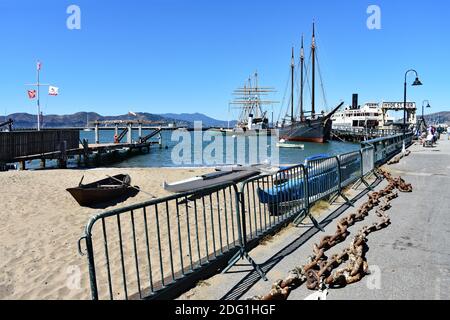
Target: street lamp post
(423, 107)
(415, 83)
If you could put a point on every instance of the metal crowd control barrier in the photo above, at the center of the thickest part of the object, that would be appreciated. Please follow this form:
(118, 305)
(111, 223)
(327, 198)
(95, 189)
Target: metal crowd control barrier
(269, 202)
(368, 164)
(266, 203)
(144, 251)
(350, 167)
(385, 148)
(323, 178)
(149, 247)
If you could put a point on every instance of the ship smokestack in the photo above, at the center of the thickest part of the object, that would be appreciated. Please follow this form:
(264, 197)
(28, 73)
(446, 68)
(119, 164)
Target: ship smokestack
(250, 122)
(355, 101)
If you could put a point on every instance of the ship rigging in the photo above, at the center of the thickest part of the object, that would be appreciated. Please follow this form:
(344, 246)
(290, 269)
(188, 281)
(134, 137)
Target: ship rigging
(312, 128)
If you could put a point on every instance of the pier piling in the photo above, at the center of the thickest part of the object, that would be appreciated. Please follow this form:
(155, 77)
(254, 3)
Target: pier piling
(97, 137)
(129, 133)
(140, 131)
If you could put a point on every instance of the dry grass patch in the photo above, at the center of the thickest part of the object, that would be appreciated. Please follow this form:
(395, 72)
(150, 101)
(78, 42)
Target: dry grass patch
(266, 240)
(319, 208)
(203, 283)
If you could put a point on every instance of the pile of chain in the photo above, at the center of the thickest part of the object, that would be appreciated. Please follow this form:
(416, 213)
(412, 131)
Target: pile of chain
(318, 271)
(397, 159)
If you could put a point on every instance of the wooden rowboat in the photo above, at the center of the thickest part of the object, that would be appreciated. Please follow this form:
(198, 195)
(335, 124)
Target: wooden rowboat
(107, 190)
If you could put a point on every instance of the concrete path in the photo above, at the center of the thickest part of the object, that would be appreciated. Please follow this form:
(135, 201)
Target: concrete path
(409, 260)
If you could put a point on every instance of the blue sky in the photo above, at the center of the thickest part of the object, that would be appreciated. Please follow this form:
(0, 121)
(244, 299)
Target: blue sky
(178, 56)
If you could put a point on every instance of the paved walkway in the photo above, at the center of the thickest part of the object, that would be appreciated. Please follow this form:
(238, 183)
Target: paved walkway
(409, 260)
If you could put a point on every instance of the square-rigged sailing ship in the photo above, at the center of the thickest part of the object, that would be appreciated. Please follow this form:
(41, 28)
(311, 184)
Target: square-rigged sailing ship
(250, 100)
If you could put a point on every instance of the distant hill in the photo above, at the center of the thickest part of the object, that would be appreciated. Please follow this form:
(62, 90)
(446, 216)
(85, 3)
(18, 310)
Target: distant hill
(192, 117)
(26, 120)
(440, 117)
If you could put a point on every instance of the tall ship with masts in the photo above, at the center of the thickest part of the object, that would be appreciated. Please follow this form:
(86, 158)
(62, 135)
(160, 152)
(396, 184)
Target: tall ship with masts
(312, 128)
(252, 103)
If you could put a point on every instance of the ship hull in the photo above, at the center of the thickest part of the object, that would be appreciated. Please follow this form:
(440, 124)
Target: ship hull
(318, 131)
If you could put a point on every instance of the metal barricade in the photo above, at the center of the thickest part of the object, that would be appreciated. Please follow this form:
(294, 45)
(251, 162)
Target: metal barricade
(142, 250)
(323, 178)
(350, 168)
(271, 200)
(368, 160)
(387, 147)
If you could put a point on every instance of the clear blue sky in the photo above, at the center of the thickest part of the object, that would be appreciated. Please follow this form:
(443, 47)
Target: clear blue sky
(178, 56)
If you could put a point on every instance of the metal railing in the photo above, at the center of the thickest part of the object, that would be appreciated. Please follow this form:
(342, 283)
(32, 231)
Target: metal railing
(157, 248)
(269, 201)
(323, 178)
(385, 148)
(365, 132)
(139, 251)
(367, 160)
(350, 167)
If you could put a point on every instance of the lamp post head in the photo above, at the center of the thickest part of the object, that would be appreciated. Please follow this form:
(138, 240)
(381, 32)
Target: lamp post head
(417, 82)
(428, 105)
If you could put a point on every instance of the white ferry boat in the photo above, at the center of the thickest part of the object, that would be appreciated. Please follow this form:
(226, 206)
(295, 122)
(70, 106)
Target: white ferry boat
(370, 116)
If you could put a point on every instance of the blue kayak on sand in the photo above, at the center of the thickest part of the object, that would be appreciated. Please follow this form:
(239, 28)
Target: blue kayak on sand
(293, 189)
(288, 187)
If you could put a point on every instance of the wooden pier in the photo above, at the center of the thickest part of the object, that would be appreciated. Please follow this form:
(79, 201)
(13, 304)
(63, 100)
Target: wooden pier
(85, 153)
(62, 144)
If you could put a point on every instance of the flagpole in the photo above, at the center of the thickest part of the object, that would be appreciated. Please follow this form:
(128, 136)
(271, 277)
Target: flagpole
(38, 104)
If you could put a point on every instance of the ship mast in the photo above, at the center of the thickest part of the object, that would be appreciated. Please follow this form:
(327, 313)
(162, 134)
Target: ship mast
(292, 85)
(313, 91)
(302, 59)
(257, 97)
(250, 100)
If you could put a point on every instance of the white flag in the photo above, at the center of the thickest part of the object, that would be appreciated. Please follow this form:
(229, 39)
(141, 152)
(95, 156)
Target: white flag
(53, 91)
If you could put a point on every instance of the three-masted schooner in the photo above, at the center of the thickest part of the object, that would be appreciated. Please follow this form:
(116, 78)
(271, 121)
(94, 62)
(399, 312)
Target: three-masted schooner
(315, 128)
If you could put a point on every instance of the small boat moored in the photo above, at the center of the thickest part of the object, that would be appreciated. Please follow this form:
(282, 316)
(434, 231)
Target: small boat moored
(103, 191)
(292, 145)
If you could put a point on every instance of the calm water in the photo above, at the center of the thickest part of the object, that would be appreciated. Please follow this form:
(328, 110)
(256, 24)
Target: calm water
(235, 154)
(241, 150)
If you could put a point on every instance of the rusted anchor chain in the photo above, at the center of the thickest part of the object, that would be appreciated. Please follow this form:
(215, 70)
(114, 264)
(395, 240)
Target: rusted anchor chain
(318, 271)
(398, 158)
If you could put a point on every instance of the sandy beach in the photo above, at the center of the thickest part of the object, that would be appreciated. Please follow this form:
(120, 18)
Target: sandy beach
(40, 225)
